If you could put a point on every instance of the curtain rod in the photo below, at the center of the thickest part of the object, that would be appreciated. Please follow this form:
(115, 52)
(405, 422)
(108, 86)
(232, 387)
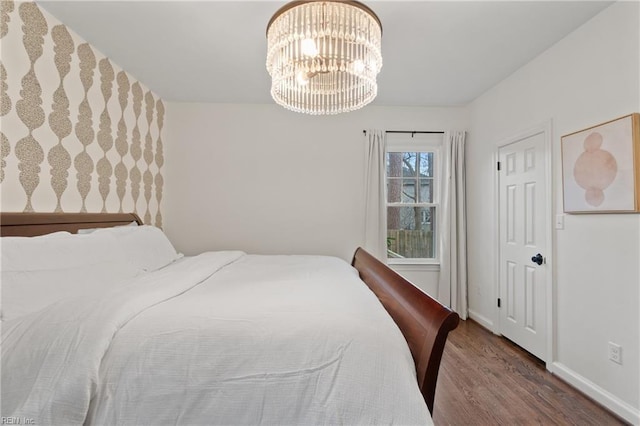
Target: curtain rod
(413, 132)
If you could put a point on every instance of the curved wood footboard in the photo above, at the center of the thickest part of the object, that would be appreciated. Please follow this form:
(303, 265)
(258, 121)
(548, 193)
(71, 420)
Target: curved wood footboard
(424, 322)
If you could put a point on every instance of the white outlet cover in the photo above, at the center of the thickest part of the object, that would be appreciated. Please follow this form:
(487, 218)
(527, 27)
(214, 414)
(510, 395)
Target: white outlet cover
(615, 353)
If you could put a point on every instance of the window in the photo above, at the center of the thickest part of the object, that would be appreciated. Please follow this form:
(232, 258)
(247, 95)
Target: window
(412, 201)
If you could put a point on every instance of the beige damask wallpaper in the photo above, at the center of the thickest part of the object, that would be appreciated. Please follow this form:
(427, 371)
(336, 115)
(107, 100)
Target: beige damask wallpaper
(77, 132)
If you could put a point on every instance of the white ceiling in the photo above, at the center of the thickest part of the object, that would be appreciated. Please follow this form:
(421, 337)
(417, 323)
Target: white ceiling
(436, 53)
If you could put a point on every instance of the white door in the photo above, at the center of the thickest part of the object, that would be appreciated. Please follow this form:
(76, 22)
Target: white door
(523, 230)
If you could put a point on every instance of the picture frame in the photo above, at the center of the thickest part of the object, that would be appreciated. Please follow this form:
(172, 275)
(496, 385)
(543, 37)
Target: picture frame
(601, 167)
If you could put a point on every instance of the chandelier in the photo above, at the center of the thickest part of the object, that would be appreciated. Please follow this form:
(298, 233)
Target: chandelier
(324, 56)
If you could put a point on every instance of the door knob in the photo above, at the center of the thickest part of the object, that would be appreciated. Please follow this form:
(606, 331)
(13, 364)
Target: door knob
(537, 259)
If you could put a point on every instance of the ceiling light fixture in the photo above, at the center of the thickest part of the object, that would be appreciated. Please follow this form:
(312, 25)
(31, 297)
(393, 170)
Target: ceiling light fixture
(324, 56)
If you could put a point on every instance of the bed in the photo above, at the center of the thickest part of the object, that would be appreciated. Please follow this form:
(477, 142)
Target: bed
(223, 337)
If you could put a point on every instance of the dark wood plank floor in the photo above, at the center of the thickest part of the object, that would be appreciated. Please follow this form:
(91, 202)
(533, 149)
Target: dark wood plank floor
(485, 379)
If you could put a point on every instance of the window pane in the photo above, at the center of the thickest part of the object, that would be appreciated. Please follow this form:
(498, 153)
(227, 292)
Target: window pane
(426, 191)
(394, 164)
(411, 232)
(409, 164)
(409, 191)
(426, 164)
(394, 190)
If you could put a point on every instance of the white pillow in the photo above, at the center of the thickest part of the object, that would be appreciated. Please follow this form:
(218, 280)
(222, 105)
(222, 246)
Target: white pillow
(90, 230)
(146, 247)
(38, 271)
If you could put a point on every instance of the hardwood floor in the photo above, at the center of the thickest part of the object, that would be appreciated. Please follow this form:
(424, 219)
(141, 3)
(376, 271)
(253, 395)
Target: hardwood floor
(485, 379)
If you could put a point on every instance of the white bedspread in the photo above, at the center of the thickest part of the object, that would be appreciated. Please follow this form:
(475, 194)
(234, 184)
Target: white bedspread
(220, 338)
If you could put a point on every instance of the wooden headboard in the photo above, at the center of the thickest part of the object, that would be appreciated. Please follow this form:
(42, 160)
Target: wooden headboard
(33, 224)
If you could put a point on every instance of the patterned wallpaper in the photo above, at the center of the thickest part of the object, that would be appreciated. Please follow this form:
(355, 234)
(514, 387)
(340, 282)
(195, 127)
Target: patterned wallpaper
(77, 133)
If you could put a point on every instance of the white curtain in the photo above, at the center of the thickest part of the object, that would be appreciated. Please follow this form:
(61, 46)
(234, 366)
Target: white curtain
(375, 214)
(453, 236)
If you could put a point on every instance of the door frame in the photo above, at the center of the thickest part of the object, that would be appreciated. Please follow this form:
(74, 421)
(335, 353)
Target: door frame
(546, 129)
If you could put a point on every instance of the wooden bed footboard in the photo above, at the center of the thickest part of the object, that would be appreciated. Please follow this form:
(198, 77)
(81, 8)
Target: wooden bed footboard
(424, 322)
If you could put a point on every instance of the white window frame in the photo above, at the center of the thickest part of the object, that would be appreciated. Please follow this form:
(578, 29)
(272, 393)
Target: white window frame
(418, 142)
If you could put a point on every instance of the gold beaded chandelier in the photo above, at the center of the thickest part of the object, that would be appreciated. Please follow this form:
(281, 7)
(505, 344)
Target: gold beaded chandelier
(324, 56)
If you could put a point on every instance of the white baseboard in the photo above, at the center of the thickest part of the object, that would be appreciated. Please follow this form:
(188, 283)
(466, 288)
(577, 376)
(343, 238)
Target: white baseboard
(482, 320)
(595, 392)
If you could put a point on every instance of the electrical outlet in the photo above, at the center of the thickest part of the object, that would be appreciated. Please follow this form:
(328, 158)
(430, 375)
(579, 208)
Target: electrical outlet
(615, 353)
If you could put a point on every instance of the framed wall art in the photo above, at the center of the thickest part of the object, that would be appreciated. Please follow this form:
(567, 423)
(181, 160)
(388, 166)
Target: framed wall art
(601, 167)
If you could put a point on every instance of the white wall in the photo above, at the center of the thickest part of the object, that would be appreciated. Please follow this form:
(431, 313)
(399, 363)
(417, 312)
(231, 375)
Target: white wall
(265, 180)
(587, 78)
